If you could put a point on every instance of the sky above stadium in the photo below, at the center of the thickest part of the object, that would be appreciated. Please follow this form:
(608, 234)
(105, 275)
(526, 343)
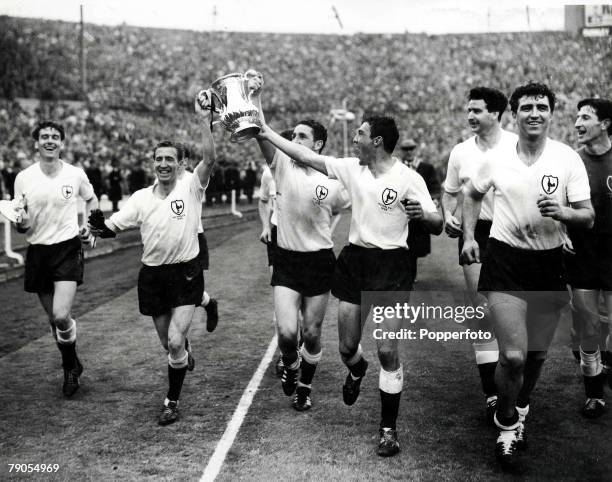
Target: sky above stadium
(316, 16)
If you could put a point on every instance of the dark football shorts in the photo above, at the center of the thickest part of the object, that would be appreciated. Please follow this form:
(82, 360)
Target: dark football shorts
(309, 273)
(161, 288)
(46, 264)
(481, 235)
(203, 254)
(370, 269)
(591, 267)
(271, 246)
(533, 275)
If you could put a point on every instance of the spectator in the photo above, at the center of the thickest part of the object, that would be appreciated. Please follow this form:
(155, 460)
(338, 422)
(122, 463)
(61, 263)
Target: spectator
(115, 193)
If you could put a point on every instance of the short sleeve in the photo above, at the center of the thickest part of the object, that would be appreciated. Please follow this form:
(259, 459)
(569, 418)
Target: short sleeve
(483, 177)
(418, 189)
(452, 183)
(86, 190)
(342, 201)
(196, 188)
(128, 216)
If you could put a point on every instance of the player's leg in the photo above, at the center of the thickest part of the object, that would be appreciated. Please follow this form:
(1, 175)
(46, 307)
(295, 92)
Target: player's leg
(210, 304)
(509, 317)
(391, 380)
(287, 303)
(66, 330)
(349, 337)
(46, 300)
(313, 310)
(587, 304)
(486, 352)
(178, 327)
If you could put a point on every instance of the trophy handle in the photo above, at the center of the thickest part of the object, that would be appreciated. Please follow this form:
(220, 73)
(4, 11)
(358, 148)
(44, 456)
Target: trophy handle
(215, 101)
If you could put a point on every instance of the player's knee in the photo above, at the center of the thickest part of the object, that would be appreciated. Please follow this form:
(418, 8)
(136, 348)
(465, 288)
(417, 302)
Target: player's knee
(537, 355)
(61, 319)
(388, 357)
(347, 349)
(311, 335)
(176, 344)
(286, 333)
(513, 360)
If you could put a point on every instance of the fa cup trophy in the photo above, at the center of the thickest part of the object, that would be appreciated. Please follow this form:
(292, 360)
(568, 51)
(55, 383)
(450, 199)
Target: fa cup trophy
(237, 113)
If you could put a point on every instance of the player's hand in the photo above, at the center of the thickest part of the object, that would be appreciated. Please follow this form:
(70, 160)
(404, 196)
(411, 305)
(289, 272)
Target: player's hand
(87, 237)
(549, 207)
(470, 253)
(21, 212)
(203, 104)
(266, 236)
(255, 81)
(413, 208)
(97, 226)
(452, 227)
(262, 135)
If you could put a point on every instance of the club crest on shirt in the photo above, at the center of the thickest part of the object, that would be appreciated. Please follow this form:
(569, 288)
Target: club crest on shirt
(177, 206)
(67, 191)
(321, 193)
(550, 184)
(388, 197)
(609, 183)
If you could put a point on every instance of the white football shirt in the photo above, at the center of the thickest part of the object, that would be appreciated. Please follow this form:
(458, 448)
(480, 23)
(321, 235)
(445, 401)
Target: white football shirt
(559, 172)
(305, 202)
(52, 201)
(378, 219)
(464, 164)
(168, 227)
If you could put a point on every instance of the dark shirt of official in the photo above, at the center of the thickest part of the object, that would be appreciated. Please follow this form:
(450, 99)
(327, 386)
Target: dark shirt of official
(599, 170)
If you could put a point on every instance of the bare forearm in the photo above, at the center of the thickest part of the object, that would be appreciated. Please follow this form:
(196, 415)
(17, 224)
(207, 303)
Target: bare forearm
(449, 204)
(204, 168)
(90, 206)
(471, 211)
(295, 151)
(433, 223)
(582, 217)
(263, 207)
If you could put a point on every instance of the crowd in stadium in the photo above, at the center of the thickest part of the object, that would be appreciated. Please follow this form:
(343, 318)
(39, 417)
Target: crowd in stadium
(141, 82)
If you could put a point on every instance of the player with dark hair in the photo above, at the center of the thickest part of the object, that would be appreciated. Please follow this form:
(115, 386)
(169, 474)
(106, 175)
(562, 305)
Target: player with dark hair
(590, 268)
(46, 194)
(170, 282)
(484, 112)
(385, 194)
(538, 184)
(304, 261)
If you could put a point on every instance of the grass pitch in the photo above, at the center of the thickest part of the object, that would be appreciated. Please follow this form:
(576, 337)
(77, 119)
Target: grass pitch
(109, 430)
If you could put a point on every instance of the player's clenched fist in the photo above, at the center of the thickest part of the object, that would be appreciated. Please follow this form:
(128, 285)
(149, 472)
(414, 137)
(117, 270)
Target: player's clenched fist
(203, 102)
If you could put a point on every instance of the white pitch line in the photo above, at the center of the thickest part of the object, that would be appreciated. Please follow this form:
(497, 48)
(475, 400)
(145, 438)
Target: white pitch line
(218, 457)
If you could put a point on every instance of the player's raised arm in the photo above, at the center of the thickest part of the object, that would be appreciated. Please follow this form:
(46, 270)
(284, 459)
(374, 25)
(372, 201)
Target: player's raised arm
(202, 108)
(298, 153)
(255, 84)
